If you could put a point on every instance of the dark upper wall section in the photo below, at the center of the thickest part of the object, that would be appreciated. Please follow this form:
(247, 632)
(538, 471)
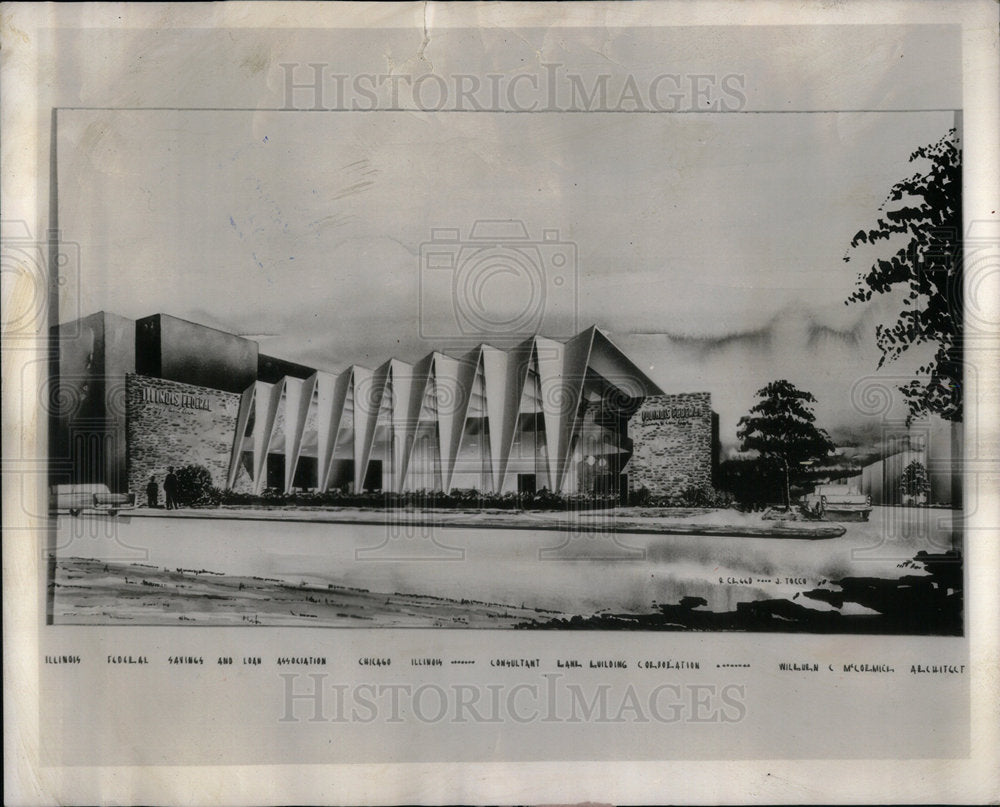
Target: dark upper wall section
(177, 350)
(272, 370)
(86, 400)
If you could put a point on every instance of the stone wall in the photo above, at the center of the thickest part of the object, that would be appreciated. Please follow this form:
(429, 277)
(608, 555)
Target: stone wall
(673, 444)
(169, 423)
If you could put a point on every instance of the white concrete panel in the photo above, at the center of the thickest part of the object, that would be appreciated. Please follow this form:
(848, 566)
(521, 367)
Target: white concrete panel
(246, 407)
(494, 362)
(607, 360)
(421, 379)
(447, 383)
(549, 359)
(363, 395)
(265, 416)
(298, 401)
(518, 361)
(325, 425)
(468, 365)
(341, 388)
(369, 406)
(576, 358)
(402, 385)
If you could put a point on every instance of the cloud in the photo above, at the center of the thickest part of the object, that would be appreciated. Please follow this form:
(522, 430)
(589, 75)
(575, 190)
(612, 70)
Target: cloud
(710, 246)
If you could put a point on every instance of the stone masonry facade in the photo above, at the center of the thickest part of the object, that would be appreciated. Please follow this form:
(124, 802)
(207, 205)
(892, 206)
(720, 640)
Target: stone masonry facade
(169, 423)
(673, 443)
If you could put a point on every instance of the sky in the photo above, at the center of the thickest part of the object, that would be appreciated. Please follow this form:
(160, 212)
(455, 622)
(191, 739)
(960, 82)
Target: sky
(709, 247)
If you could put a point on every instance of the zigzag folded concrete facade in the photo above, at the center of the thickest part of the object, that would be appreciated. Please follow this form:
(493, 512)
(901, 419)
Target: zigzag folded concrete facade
(487, 420)
(545, 414)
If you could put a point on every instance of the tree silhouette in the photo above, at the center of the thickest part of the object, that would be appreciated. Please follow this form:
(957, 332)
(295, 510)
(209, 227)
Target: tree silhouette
(781, 429)
(914, 481)
(926, 210)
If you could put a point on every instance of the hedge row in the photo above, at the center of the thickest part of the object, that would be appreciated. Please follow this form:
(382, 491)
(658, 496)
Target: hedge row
(197, 490)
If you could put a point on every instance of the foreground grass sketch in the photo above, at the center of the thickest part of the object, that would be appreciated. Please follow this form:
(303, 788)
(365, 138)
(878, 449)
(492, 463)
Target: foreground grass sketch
(926, 601)
(149, 595)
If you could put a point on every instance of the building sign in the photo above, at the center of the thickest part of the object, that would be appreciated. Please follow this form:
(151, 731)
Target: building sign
(671, 413)
(179, 399)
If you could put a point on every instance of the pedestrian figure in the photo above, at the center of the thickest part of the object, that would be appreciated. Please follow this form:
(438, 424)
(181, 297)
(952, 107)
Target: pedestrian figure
(170, 489)
(152, 493)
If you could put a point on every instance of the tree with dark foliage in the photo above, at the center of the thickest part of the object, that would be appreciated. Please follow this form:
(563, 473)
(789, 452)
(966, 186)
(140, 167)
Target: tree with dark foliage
(926, 211)
(194, 486)
(781, 430)
(914, 482)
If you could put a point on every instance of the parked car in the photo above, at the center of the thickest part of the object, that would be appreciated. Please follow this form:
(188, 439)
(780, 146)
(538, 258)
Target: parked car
(837, 503)
(77, 498)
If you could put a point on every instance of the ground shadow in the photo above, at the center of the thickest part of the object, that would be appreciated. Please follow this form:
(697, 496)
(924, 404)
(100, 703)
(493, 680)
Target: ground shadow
(927, 604)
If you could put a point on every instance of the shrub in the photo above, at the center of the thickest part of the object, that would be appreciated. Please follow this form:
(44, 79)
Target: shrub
(195, 488)
(691, 496)
(421, 499)
(640, 498)
(694, 496)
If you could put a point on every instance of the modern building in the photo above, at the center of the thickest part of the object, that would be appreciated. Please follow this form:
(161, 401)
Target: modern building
(934, 444)
(574, 416)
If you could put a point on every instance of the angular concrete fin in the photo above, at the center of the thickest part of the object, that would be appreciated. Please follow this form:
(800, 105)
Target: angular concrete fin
(495, 373)
(609, 362)
(363, 394)
(447, 373)
(262, 394)
(518, 362)
(549, 359)
(422, 379)
(290, 404)
(467, 369)
(369, 407)
(326, 426)
(242, 418)
(402, 386)
(333, 416)
(575, 361)
(297, 403)
(264, 428)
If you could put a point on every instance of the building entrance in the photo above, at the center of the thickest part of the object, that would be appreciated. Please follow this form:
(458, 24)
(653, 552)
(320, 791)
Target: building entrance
(306, 473)
(526, 483)
(276, 471)
(373, 476)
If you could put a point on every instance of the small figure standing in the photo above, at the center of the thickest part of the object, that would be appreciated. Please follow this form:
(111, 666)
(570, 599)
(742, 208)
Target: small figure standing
(170, 489)
(152, 493)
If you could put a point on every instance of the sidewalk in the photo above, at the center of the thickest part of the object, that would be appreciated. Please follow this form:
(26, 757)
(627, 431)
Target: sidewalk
(687, 522)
